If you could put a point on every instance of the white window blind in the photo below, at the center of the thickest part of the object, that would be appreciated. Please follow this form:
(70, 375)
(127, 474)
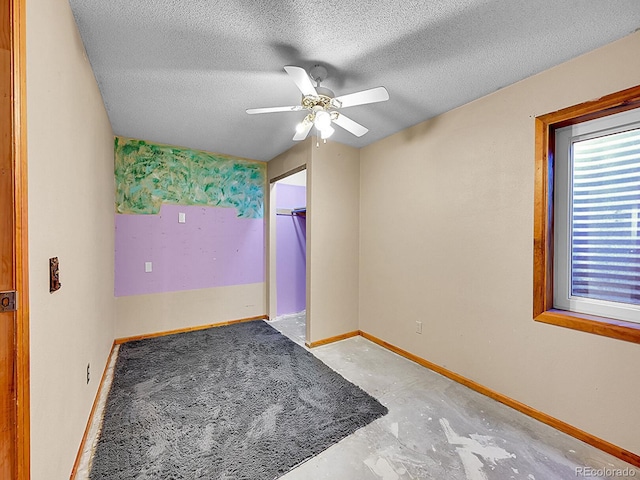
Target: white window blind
(605, 245)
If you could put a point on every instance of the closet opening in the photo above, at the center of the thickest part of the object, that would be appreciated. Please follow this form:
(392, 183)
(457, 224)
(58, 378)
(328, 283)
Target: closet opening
(288, 200)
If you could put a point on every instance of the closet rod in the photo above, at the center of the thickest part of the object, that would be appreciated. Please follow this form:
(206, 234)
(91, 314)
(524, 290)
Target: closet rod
(292, 211)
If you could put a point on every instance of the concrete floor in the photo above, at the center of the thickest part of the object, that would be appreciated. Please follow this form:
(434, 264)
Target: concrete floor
(439, 429)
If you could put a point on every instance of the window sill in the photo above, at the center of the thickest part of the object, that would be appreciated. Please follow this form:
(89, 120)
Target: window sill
(607, 327)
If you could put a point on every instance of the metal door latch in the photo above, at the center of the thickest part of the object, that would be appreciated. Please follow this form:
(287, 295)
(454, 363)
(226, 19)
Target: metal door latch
(8, 301)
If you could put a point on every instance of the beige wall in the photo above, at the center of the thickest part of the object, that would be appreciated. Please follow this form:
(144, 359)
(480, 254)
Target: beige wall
(333, 193)
(70, 152)
(292, 159)
(161, 312)
(447, 239)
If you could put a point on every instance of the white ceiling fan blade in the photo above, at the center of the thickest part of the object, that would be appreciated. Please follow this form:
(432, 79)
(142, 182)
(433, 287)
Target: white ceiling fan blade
(373, 95)
(302, 132)
(294, 108)
(302, 80)
(350, 126)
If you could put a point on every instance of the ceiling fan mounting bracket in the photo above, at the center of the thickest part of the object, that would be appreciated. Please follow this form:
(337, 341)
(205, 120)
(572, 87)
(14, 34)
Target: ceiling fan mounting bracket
(318, 74)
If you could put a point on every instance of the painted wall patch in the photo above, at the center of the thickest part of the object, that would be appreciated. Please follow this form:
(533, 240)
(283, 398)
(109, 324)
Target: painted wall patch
(149, 175)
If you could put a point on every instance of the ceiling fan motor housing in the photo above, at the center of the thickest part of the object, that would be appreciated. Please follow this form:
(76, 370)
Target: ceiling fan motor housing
(323, 101)
(325, 92)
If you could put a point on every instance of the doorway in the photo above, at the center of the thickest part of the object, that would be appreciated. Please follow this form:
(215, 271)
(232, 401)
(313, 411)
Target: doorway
(289, 200)
(14, 347)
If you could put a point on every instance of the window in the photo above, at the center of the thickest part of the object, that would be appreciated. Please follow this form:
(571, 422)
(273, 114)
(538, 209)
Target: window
(596, 211)
(587, 209)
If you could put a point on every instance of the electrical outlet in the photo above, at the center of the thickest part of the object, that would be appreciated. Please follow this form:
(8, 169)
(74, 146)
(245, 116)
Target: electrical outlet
(418, 327)
(88, 372)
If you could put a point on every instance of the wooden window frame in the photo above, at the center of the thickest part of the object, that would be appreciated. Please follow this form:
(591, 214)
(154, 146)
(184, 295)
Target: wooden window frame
(545, 127)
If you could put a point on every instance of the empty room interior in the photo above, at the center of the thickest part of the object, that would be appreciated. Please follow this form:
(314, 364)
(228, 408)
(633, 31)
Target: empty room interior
(431, 207)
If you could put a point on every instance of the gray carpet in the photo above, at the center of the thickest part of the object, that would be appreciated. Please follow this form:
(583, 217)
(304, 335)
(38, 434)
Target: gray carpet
(235, 402)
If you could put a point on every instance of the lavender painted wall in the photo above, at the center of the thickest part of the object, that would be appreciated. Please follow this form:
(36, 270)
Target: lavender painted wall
(213, 248)
(291, 234)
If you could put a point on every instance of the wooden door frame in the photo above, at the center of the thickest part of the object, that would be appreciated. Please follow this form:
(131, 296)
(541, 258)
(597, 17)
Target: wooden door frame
(21, 265)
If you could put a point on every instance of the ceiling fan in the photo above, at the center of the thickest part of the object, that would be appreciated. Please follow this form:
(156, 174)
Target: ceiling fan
(323, 105)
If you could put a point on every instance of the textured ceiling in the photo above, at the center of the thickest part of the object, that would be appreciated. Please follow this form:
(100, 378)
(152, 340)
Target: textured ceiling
(183, 72)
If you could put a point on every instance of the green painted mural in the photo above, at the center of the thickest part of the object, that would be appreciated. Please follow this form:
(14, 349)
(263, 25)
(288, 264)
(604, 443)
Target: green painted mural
(148, 175)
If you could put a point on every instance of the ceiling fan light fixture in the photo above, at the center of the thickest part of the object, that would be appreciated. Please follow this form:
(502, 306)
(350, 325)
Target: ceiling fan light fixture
(322, 120)
(326, 132)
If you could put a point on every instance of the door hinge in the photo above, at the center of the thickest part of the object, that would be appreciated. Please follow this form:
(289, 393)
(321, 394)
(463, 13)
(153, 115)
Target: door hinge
(8, 301)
